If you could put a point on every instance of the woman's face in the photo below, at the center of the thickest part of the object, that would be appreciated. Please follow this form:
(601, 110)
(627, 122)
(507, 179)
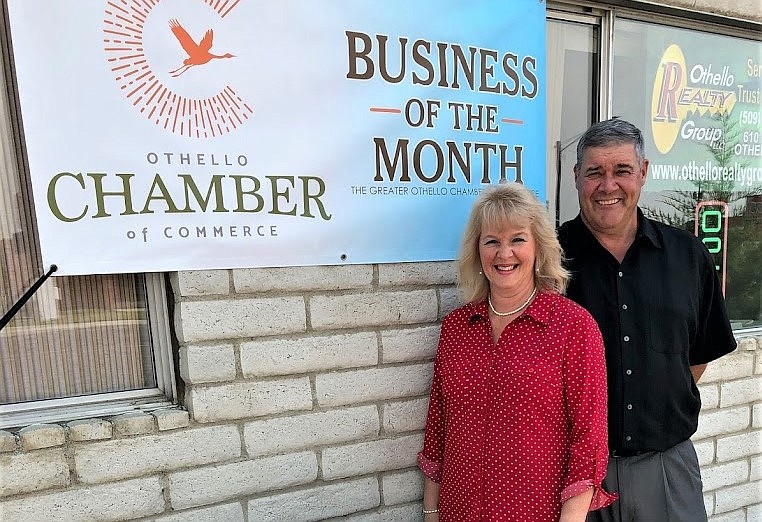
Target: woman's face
(507, 254)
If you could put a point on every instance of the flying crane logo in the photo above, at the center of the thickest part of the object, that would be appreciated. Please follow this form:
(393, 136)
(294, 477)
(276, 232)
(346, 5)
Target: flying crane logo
(157, 99)
(198, 53)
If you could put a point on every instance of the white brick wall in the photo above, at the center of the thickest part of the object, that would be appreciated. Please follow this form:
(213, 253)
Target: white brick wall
(119, 501)
(310, 405)
(210, 484)
(38, 470)
(318, 503)
(317, 429)
(244, 399)
(306, 393)
(133, 457)
(728, 440)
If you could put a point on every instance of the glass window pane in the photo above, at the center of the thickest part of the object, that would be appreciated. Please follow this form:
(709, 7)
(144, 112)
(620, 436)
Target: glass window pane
(572, 65)
(696, 96)
(76, 335)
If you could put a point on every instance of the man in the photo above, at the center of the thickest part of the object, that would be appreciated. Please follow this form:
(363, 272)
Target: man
(654, 292)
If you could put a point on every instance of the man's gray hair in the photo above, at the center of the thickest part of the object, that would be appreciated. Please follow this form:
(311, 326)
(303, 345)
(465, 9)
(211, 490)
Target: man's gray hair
(611, 132)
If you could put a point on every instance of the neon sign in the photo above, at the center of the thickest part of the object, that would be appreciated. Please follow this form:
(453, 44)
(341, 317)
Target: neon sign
(711, 226)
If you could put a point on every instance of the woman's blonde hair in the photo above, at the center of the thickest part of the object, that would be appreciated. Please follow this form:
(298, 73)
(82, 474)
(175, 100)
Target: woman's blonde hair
(510, 204)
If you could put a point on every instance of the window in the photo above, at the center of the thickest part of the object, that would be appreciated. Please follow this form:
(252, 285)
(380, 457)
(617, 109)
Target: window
(696, 96)
(572, 78)
(81, 346)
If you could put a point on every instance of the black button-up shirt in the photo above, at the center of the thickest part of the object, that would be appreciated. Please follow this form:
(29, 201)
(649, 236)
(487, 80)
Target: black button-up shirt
(660, 311)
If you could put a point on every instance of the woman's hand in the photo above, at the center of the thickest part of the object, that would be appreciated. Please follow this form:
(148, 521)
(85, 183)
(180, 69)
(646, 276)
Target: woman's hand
(430, 499)
(575, 509)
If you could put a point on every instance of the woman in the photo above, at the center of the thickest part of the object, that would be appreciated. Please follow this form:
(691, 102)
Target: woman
(516, 429)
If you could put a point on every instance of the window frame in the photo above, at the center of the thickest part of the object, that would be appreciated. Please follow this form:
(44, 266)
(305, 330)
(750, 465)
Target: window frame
(113, 403)
(157, 303)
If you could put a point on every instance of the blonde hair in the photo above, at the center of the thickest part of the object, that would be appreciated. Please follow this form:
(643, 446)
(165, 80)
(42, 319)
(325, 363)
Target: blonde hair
(510, 204)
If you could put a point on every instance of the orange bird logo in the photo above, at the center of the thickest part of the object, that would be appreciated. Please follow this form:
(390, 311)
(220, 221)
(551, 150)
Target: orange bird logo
(198, 53)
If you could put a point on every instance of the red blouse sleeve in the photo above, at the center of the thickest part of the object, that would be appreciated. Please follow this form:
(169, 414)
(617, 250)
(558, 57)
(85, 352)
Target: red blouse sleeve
(431, 458)
(584, 376)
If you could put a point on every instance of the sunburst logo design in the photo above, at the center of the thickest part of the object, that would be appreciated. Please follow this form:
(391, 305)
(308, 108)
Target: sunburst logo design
(123, 26)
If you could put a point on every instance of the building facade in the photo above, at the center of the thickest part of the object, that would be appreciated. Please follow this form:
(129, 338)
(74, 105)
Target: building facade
(300, 393)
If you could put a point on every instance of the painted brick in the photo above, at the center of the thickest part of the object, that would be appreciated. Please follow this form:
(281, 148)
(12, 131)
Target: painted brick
(122, 501)
(89, 429)
(408, 513)
(284, 434)
(308, 354)
(239, 318)
(754, 513)
(377, 455)
(449, 300)
(171, 419)
(7, 441)
(735, 516)
(710, 396)
(737, 446)
(307, 278)
(402, 487)
(756, 467)
(376, 309)
(402, 416)
(709, 503)
(722, 421)
(208, 485)
(201, 282)
(133, 423)
(38, 436)
(336, 389)
(733, 366)
(225, 512)
(25, 472)
(747, 344)
(736, 497)
(721, 475)
(317, 503)
(126, 458)
(756, 416)
(199, 364)
(432, 273)
(409, 344)
(705, 451)
(240, 400)
(742, 391)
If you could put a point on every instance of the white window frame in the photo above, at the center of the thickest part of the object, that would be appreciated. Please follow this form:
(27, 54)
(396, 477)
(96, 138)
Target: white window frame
(107, 404)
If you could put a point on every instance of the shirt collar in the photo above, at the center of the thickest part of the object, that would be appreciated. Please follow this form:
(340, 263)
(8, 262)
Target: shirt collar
(646, 231)
(539, 310)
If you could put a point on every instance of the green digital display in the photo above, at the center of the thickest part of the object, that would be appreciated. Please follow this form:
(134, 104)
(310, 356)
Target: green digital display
(712, 228)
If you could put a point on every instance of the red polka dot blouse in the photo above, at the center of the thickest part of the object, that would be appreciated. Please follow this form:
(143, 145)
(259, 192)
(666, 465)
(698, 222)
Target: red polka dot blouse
(515, 429)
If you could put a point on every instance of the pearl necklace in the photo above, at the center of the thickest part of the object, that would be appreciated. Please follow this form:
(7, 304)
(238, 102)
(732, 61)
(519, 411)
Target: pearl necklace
(512, 312)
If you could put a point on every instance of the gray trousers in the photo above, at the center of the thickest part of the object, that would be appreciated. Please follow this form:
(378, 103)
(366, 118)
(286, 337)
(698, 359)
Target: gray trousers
(655, 487)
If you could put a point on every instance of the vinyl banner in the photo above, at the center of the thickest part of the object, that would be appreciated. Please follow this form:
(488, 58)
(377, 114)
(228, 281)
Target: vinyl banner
(169, 135)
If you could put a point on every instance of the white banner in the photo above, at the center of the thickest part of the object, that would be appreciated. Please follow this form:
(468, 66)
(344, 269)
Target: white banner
(197, 134)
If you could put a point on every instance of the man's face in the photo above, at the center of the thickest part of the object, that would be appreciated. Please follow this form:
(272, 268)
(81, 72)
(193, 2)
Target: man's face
(609, 180)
